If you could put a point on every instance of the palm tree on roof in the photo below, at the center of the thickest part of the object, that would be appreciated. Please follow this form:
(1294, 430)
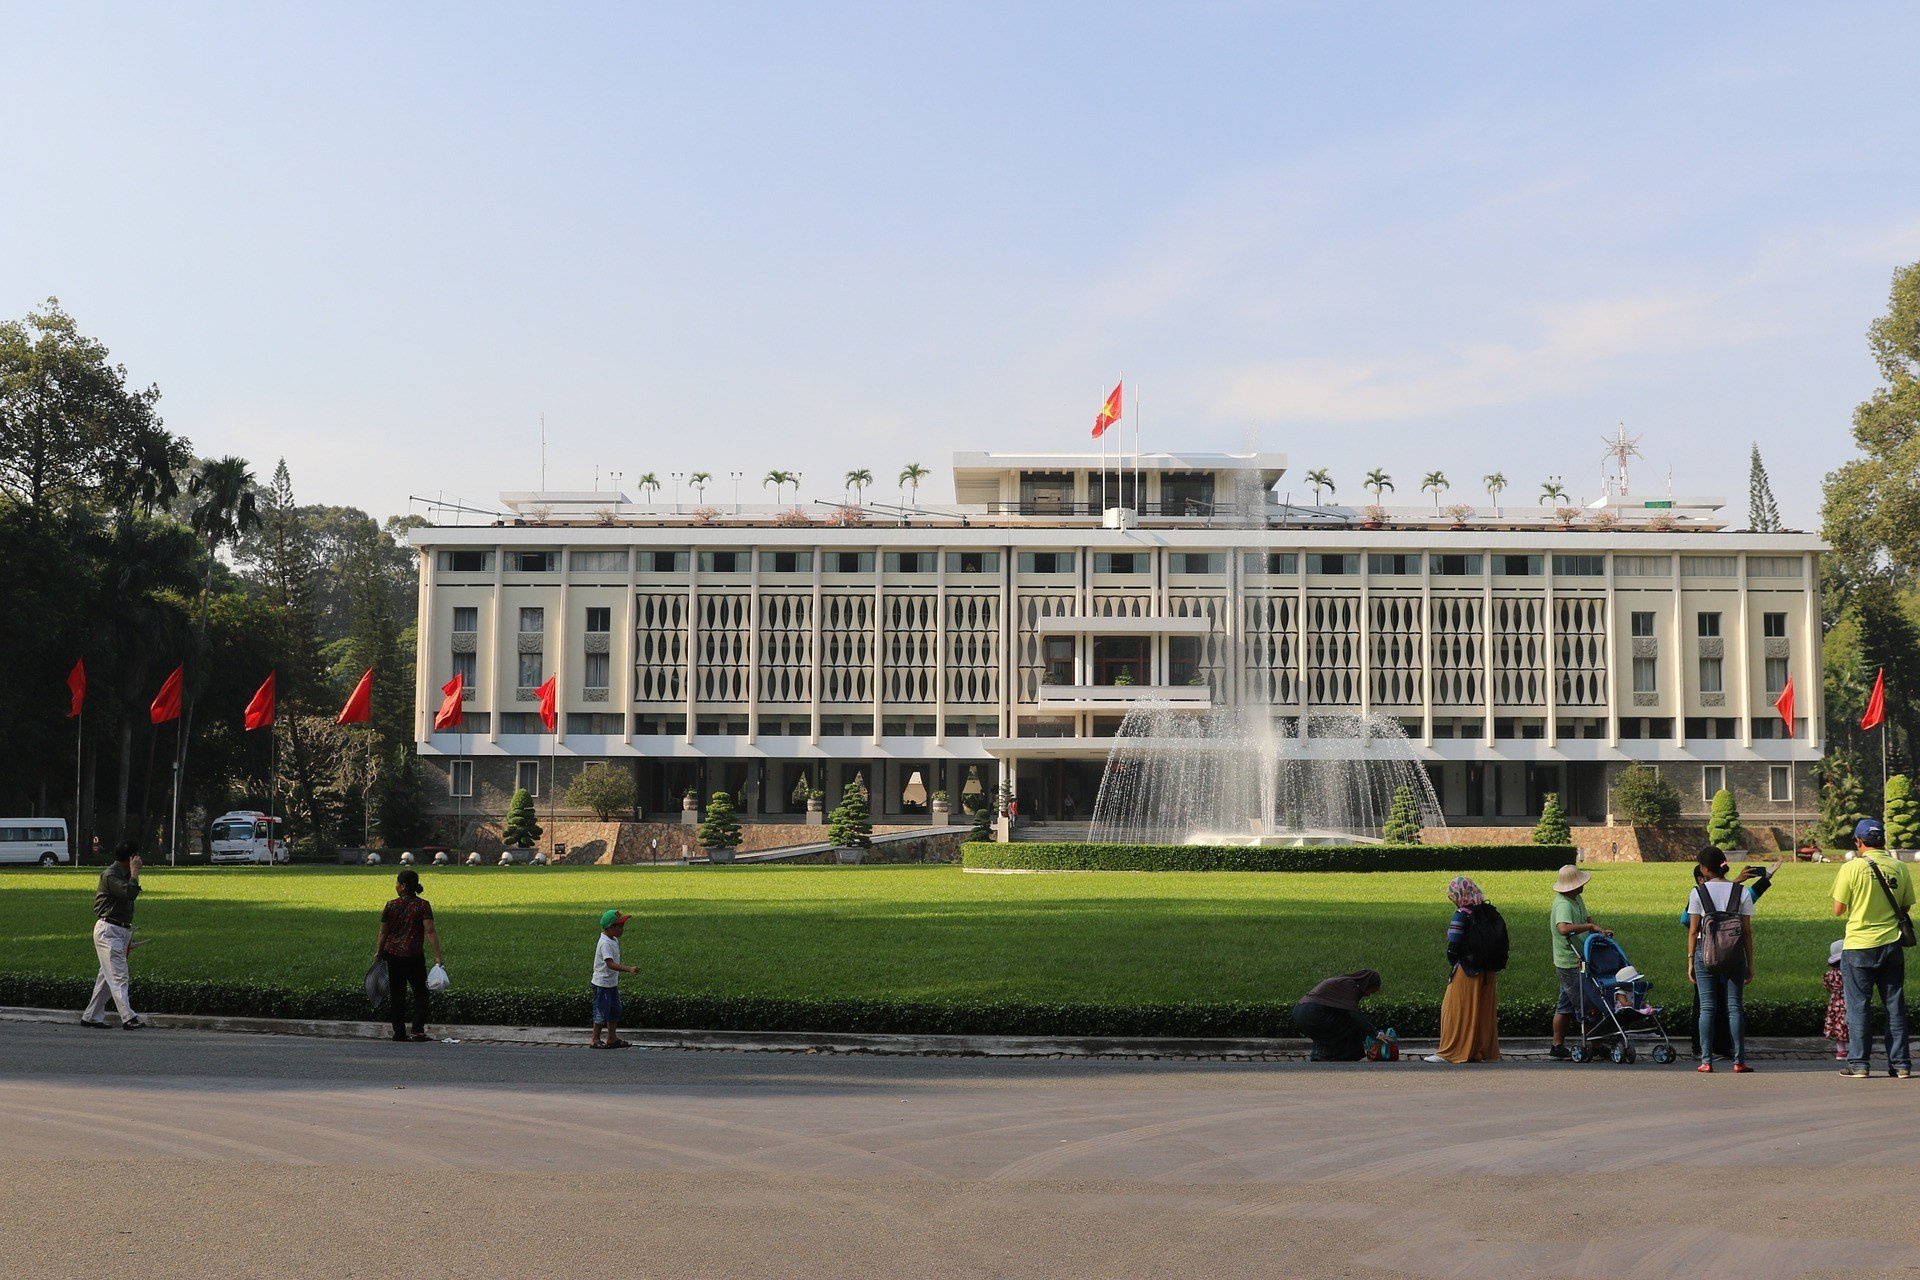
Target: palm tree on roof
(699, 481)
(779, 479)
(1378, 480)
(1320, 479)
(1435, 482)
(649, 484)
(1496, 483)
(1552, 491)
(858, 481)
(910, 477)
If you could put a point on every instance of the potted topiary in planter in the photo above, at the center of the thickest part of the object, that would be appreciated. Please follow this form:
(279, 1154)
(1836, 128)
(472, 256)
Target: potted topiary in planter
(850, 830)
(690, 808)
(720, 833)
(939, 808)
(816, 807)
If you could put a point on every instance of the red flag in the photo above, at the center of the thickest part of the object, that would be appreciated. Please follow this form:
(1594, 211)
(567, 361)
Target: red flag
(359, 708)
(450, 712)
(1109, 413)
(547, 715)
(77, 686)
(260, 710)
(1876, 702)
(1784, 705)
(166, 703)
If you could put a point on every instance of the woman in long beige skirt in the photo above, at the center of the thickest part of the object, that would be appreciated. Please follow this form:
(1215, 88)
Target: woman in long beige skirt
(1469, 1020)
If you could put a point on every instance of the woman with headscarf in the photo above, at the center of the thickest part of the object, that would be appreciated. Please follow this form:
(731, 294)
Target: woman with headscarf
(1329, 1016)
(1476, 951)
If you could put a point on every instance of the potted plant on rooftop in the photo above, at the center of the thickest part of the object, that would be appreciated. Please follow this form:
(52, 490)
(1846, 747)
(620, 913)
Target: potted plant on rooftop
(1459, 513)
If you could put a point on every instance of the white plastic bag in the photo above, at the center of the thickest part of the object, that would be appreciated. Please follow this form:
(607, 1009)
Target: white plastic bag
(436, 979)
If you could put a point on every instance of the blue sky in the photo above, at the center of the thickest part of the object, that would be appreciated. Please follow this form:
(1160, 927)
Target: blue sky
(381, 240)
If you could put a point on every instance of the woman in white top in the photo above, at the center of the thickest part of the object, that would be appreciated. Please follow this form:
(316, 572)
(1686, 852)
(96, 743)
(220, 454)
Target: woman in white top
(1710, 904)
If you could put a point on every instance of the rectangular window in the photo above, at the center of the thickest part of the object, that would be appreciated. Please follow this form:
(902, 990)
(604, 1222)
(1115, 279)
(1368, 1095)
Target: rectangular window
(973, 562)
(595, 671)
(1643, 623)
(596, 723)
(1516, 566)
(847, 561)
(599, 618)
(1708, 625)
(786, 562)
(659, 726)
(1333, 563)
(1199, 562)
(1779, 783)
(1773, 566)
(533, 620)
(662, 562)
(910, 562)
(1643, 566)
(1058, 659)
(723, 562)
(1773, 626)
(1710, 669)
(533, 561)
(460, 778)
(532, 670)
(1713, 780)
(1708, 566)
(1454, 564)
(598, 561)
(1273, 562)
(1646, 675)
(466, 667)
(1580, 566)
(1183, 660)
(1393, 562)
(521, 722)
(1119, 562)
(466, 561)
(1046, 562)
(527, 776)
(1776, 676)
(466, 617)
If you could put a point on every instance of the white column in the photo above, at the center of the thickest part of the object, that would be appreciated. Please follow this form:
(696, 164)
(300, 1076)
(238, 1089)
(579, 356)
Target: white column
(1613, 652)
(501, 649)
(1426, 649)
(693, 631)
(814, 641)
(1814, 663)
(626, 650)
(1548, 634)
(939, 647)
(560, 664)
(753, 647)
(425, 637)
(1741, 631)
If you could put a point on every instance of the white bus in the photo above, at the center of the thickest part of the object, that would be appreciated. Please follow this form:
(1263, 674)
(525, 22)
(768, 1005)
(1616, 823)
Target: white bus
(41, 840)
(247, 835)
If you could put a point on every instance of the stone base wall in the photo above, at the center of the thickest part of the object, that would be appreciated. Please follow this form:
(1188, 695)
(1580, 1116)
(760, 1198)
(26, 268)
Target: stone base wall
(1599, 843)
(942, 847)
(608, 843)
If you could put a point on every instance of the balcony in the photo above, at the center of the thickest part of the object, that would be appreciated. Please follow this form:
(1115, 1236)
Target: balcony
(1121, 697)
(1165, 625)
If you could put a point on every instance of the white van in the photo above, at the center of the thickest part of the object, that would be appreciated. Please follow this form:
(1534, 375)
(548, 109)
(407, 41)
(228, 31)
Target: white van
(41, 840)
(247, 835)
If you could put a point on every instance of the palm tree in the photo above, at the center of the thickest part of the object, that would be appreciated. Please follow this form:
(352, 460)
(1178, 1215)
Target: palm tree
(649, 484)
(1377, 480)
(1552, 492)
(779, 479)
(1319, 479)
(910, 477)
(699, 481)
(858, 481)
(1495, 483)
(1435, 482)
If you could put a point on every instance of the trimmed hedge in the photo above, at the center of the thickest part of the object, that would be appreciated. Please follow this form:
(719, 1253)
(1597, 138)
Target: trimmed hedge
(1417, 1017)
(1065, 856)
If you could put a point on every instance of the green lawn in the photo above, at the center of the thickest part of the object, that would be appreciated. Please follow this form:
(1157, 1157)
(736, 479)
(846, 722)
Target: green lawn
(779, 945)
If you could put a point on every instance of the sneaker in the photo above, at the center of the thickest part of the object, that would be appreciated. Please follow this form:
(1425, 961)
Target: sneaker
(1855, 1072)
(97, 1026)
(1900, 1073)
(1559, 1051)
(133, 1024)
(1742, 1069)
(1705, 1068)
(1436, 1059)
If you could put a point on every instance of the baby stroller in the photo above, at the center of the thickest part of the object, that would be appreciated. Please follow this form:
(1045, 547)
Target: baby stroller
(1614, 1007)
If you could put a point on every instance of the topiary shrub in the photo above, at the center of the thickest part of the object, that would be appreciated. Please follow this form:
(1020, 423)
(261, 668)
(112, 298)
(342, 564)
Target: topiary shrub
(603, 790)
(1723, 822)
(979, 818)
(1403, 819)
(521, 829)
(850, 826)
(1641, 797)
(721, 830)
(1552, 828)
(1902, 814)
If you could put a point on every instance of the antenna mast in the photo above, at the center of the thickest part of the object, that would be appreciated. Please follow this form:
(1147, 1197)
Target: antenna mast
(543, 453)
(1620, 448)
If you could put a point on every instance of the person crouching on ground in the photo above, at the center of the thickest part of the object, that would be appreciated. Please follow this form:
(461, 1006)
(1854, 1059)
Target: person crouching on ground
(606, 980)
(1875, 894)
(1720, 955)
(406, 925)
(1569, 919)
(112, 936)
(1477, 950)
(1329, 1016)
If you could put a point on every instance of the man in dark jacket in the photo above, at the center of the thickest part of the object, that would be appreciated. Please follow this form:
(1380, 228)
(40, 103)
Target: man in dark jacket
(112, 932)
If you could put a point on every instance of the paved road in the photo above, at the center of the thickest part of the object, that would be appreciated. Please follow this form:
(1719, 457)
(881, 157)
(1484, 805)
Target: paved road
(195, 1153)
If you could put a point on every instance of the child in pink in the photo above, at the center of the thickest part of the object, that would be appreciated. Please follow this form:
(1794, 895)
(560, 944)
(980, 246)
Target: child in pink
(1836, 1026)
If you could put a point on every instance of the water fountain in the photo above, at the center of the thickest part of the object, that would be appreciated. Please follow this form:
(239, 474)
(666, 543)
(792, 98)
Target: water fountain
(1243, 775)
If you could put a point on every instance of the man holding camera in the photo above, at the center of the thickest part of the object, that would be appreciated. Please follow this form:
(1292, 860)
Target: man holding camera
(112, 934)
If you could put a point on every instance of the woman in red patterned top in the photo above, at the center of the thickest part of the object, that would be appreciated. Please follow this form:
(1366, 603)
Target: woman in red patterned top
(1836, 1027)
(406, 925)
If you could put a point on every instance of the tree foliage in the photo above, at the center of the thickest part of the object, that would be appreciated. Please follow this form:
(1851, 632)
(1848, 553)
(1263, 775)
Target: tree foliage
(603, 790)
(1902, 814)
(1723, 822)
(1763, 513)
(1871, 512)
(1642, 797)
(1842, 798)
(721, 830)
(1552, 827)
(522, 827)
(850, 825)
(1403, 819)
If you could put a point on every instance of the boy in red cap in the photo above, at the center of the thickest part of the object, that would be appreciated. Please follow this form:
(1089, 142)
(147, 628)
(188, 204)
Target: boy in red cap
(606, 979)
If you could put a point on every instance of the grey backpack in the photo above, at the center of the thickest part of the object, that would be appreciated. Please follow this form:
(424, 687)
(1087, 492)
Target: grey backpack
(1722, 934)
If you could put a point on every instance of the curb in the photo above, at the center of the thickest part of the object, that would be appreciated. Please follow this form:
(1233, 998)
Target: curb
(1141, 1048)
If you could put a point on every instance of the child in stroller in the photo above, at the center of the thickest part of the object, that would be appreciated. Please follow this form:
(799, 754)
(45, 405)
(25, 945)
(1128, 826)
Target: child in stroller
(1615, 1005)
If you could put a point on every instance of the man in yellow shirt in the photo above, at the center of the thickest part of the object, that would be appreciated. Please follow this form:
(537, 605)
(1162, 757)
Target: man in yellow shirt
(1874, 892)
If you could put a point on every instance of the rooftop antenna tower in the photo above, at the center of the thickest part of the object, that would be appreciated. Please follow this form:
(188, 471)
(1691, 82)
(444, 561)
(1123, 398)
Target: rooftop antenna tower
(543, 453)
(1620, 448)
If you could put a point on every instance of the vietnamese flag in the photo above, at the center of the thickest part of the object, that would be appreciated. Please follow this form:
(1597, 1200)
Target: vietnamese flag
(260, 710)
(548, 716)
(451, 713)
(359, 708)
(1109, 413)
(1876, 702)
(77, 686)
(166, 703)
(1784, 705)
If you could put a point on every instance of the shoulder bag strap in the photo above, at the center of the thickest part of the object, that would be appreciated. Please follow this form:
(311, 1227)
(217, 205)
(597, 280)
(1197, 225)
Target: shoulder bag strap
(1887, 889)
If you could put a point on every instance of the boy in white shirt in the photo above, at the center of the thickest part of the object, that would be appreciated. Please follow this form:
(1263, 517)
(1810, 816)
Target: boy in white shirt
(606, 979)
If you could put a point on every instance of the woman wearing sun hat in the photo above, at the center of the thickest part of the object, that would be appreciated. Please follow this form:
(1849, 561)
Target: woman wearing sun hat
(1477, 950)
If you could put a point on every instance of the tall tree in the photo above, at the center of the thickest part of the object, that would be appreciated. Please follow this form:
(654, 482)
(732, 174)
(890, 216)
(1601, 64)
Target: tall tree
(1763, 513)
(1871, 511)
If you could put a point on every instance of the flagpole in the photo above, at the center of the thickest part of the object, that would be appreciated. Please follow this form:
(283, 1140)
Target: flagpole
(1139, 463)
(79, 736)
(173, 826)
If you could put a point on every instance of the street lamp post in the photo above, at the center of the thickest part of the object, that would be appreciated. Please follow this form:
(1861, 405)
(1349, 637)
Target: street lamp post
(736, 490)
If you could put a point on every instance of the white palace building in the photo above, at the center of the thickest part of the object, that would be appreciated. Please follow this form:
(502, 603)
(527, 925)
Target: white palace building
(1002, 637)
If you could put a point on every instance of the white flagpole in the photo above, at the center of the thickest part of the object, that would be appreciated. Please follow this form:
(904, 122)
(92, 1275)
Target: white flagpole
(1139, 463)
